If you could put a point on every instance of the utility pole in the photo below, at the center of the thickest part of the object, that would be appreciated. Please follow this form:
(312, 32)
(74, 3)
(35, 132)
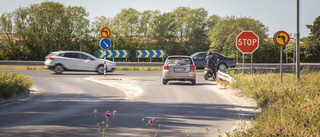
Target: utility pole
(298, 41)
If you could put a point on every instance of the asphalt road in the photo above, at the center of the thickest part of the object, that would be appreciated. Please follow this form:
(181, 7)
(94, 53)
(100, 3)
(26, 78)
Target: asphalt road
(63, 105)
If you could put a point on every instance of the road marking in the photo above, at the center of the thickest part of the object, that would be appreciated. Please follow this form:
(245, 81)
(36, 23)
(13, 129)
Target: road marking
(127, 86)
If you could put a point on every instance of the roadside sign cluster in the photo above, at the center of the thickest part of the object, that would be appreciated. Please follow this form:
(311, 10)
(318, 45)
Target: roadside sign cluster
(105, 44)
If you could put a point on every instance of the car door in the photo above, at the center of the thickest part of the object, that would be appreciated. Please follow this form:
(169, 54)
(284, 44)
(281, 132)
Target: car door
(199, 60)
(70, 61)
(217, 58)
(86, 63)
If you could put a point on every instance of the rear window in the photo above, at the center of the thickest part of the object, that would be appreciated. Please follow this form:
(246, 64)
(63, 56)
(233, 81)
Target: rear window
(179, 60)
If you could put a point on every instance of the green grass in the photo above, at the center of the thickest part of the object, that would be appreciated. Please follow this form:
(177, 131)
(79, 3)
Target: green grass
(123, 68)
(290, 105)
(120, 68)
(13, 84)
(21, 67)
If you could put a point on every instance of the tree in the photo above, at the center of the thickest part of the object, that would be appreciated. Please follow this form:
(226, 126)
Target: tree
(8, 44)
(225, 32)
(43, 28)
(312, 45)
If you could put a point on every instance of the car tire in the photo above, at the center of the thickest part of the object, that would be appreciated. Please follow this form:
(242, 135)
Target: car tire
(100, 70)
(193, 82)
(164, 81)
(206, 77)
(222, 66)
(58, 69)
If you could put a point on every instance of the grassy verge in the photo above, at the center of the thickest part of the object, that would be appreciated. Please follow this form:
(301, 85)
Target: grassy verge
(13, 84)
(21, 67)
(289, 108)
(119, 68)
(123, 68)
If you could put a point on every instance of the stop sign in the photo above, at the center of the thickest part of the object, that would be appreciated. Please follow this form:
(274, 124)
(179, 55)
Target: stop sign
(247, 42)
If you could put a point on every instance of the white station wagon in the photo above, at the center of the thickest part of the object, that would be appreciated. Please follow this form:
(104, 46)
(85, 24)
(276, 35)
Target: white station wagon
(60, 61)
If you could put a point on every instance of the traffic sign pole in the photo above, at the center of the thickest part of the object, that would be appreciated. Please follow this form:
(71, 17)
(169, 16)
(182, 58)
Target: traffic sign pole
(243, 63)
(251, 65)
(281, 65)
(105, 64)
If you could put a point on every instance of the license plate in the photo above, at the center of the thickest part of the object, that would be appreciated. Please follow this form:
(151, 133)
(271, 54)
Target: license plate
(179, 69)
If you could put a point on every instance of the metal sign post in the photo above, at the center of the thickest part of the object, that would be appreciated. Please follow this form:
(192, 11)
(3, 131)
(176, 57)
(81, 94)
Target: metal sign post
(251, 65)
(243, 63)
(281, 64)
(105, 64)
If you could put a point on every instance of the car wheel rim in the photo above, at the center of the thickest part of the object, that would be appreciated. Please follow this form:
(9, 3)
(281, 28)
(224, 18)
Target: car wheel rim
(222, 67)
(100, 70)
(58, 69)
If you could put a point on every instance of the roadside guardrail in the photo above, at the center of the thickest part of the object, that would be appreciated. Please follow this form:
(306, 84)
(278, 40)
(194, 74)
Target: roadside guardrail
(225, 77)
(41, 63)
(257, 66)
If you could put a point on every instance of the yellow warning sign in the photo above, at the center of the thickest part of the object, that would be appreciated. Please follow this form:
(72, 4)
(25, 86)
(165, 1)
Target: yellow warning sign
(105, 32)
(281, 38)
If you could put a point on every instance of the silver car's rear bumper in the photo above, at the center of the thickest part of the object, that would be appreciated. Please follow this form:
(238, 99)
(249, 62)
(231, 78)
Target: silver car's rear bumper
(171, 75)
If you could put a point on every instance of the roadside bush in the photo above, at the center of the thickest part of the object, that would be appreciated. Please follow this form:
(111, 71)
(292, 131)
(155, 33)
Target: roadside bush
(289, 108)
(13, 84)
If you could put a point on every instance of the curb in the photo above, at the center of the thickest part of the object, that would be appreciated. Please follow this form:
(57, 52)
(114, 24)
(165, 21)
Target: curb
(15, 97)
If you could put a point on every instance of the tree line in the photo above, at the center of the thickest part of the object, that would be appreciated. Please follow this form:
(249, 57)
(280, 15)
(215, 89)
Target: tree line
(31, 33)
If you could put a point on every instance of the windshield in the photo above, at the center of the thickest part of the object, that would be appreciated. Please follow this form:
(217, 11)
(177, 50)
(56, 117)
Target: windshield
(179, 61)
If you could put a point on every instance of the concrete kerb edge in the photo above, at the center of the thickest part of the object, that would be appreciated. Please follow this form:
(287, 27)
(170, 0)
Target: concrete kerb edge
(15, 97)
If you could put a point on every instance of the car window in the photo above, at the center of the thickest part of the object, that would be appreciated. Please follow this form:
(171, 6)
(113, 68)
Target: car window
(70, 55)
(216, 56)
(82, 56)
(201, 56)
(179, 60)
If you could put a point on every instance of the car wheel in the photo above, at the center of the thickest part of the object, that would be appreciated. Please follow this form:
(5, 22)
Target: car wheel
(164, 82)
(206, 77)
(222, 66)
(58, 69)
(193, 82)
(100, 70)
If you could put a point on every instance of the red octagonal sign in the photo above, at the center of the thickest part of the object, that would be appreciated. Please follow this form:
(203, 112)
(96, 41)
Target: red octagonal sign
(247, 42)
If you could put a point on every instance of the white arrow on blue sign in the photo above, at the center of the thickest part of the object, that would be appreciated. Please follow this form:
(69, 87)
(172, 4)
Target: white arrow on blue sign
(105, 43)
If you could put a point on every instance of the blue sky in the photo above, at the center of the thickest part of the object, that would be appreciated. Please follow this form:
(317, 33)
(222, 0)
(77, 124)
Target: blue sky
(275, 14)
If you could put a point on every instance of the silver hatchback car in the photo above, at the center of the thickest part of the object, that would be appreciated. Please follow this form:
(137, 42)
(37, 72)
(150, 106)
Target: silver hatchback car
(180, 68)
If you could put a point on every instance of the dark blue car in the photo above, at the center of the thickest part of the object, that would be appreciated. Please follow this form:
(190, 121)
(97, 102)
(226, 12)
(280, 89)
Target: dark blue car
(222, 62)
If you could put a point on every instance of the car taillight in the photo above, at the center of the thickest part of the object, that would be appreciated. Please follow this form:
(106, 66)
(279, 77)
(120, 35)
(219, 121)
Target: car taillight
(192, 67)
(50, 58)
(234, 60)
(207, 64)
(166, 66)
